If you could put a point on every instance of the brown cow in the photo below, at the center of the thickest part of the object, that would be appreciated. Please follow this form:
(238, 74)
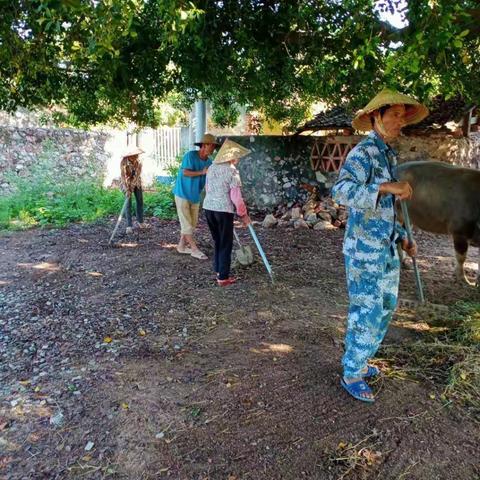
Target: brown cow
(446, 199)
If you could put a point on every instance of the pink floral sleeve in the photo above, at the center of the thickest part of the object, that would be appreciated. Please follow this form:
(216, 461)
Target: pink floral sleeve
(237, 199)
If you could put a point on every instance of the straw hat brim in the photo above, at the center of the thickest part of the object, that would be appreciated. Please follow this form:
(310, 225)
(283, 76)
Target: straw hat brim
(415, 111)
(131, 151)
(207, 139)
(199, 144)
(229, 151)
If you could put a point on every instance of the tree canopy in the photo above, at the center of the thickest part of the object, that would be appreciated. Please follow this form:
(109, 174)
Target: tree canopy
(111, 60)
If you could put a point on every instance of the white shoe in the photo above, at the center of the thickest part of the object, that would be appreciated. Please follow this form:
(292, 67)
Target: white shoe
(198, 254)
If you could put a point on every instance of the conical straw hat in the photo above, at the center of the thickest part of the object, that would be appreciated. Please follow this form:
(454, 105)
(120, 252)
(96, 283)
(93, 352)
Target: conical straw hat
(415, 111)
(229, 151)
(132, 150)
(207, 139)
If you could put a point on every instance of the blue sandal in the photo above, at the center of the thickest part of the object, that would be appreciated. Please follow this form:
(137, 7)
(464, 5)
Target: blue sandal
(356, 389)
(371, 372)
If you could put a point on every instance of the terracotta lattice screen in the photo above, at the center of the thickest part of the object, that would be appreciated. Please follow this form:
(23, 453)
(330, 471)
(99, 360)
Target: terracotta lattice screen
(329, 153)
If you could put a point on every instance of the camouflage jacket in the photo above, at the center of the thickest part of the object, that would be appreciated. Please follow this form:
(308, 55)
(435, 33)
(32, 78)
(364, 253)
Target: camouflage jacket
(372, 229)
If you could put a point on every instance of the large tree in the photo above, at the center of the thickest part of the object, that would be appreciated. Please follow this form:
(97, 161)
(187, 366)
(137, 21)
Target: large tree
(107, 60)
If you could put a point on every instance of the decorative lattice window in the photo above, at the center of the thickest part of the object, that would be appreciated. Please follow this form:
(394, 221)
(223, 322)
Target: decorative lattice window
(329, 153)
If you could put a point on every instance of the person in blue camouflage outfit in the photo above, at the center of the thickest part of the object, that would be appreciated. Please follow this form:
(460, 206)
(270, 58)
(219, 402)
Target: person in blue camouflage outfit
(366, 185)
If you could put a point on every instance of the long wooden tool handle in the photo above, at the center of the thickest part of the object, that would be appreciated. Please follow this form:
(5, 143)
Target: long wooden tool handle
(119, 219)
(260, 250)
(236, 237)
(408, 228)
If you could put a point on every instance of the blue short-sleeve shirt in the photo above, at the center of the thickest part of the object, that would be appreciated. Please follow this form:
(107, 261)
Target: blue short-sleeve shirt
(190, 188)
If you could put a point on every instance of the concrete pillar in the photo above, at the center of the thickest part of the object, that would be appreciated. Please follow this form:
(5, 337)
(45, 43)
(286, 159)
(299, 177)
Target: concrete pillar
(200, 119)
(191, 129)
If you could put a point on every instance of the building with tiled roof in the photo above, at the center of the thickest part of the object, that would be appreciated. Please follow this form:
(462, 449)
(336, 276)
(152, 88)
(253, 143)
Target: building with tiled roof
(335, 135)
(445, 115)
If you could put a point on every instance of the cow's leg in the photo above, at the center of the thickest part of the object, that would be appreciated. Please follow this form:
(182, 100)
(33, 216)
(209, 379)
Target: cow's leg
(478, 268)
(476, 242)
(461, 247)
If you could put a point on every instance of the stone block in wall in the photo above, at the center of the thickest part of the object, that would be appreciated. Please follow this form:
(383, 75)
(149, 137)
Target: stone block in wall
(440, 147)
(275, 169)
(70, 151)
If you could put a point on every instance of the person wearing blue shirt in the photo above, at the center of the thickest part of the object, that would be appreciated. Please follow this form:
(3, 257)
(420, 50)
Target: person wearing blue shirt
(188, 187)
(366, 185)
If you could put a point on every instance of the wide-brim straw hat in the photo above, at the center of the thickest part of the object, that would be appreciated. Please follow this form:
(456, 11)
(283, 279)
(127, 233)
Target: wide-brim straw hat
(229, 151)
(132, 150)
(415, 111)
(207, 139)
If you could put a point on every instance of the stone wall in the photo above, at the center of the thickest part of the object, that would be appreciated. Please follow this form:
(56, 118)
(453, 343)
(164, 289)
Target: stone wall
(463, 151)
(273, 173)
(72, 152)
(278, 166)
(24, 118)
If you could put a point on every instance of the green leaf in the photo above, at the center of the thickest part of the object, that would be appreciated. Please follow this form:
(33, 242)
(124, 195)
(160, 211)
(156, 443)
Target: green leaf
(113, 63)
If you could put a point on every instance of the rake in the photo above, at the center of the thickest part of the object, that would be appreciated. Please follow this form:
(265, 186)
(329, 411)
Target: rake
(261, 252)
(243, 254)
(421, 304)
(119, 219)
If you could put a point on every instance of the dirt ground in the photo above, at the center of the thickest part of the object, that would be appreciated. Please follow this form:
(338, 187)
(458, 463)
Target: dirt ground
(130, 363)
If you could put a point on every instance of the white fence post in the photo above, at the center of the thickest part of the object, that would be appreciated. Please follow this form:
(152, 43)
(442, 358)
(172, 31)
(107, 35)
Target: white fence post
(166, 146)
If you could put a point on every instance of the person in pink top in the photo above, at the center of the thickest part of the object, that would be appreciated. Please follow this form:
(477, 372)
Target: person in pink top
(223, 197)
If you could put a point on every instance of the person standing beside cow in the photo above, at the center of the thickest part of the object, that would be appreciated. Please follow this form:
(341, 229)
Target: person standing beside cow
(188, 187)
(368, 188)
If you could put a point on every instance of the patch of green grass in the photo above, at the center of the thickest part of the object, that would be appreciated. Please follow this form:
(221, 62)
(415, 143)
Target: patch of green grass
(464, 376)
(50, 197)
(448, 356)
(160, 203)
(174, 168)
(468, 320)
(82, 201)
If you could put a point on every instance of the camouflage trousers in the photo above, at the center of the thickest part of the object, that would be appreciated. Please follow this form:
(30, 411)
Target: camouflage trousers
(373, 294)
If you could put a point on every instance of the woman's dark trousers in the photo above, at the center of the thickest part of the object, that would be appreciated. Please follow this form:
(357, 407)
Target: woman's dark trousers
(138, 204)
(221, 228)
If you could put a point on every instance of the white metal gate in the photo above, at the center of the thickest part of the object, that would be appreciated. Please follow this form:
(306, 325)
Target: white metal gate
(168, 144)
